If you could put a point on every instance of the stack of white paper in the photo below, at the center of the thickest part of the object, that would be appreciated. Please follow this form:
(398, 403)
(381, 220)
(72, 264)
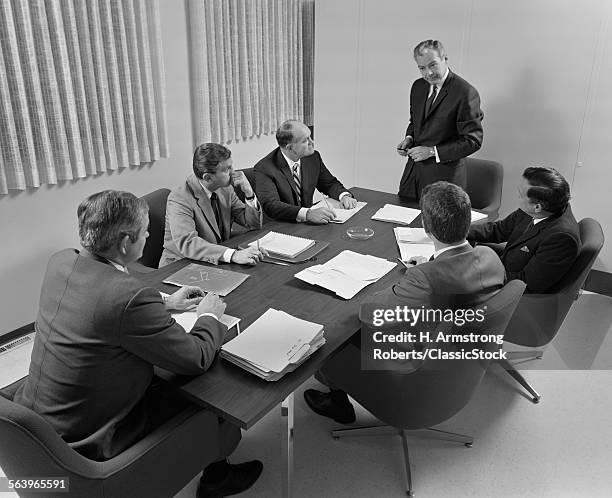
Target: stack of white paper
(283, 244)
(413, 242)
(341, 214)
(274, 344)
(347, 273)
(396, 214)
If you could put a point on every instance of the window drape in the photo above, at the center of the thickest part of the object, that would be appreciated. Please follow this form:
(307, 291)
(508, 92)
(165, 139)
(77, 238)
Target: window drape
(81, 89)
(251, 64)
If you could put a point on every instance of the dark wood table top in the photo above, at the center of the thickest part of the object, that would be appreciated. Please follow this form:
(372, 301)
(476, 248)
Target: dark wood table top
(243, 398)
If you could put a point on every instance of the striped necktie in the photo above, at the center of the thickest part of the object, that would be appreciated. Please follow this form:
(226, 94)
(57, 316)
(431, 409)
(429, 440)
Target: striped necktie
(214, 202)
(430, 100)
(298, 184)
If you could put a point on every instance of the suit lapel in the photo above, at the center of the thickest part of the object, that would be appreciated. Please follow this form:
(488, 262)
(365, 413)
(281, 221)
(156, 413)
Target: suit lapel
(529, 233)
(204, 204)
(443, 92)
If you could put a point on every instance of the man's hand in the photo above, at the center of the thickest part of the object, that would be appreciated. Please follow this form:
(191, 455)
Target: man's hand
(417, 260)
(239, 180)
(348, 202)
(248, 256)
(320, 216)
(404, 145)
(420, 153)
(186, 298)
(212, 303)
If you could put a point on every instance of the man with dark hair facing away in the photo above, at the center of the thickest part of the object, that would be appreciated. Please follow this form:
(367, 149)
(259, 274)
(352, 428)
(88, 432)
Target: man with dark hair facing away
(457, 276)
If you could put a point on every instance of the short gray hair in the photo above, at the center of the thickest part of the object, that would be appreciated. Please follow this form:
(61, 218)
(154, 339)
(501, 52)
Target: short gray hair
(435, 45)
(108, 216)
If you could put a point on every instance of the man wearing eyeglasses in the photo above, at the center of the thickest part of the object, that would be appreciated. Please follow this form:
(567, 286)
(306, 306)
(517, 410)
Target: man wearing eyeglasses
(445, 123)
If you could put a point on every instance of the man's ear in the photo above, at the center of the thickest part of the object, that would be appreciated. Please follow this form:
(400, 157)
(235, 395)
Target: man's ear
(206, 177)
(537, 207)
(124, 244)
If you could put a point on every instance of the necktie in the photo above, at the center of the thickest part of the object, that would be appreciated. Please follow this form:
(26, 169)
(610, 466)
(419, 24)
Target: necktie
(214, 202)
(298, 184)
(430, 100)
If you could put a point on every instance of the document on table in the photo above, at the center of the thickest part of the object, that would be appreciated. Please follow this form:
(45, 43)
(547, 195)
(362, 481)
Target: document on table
(341, 214)
(396, 214)
(347, 273)
(283, 244)
(187, 320)
(274, 344)
(413, 242)
(207, 278)
(476, 216)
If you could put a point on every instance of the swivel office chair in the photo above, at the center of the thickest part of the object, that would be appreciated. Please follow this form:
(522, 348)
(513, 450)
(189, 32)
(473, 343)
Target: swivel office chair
(485, 180)
(431, 394)
(539, 317)
(159, 465)
(154, 246)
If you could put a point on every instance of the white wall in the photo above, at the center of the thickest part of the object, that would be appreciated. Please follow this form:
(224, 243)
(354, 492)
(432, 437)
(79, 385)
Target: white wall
(36, 223)
(542, 68)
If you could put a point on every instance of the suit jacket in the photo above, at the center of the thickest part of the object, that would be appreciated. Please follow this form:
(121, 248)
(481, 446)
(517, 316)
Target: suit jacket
(98, 335)
(453, 125)
(191, 229)
(539, 255)
(460, 277)
(277, 190)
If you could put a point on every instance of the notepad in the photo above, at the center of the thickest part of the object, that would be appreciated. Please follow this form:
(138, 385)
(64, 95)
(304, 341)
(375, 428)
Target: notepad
(283, 245)
(413, 242)
(396, 214)
(207, 278)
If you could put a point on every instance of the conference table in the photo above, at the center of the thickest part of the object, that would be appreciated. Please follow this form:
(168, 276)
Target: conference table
(243, 398)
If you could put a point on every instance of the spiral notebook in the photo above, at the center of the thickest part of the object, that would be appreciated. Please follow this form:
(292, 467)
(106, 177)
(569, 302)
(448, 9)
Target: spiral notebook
(282, 244)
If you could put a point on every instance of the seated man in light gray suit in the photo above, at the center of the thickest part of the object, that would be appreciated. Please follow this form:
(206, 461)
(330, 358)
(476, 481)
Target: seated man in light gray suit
(459, 276)
(199, 213)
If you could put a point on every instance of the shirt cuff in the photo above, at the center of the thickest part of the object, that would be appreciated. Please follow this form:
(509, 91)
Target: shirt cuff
(301, 216)
(344, 194)
(436, 152)
(226, 257)
(211, 315)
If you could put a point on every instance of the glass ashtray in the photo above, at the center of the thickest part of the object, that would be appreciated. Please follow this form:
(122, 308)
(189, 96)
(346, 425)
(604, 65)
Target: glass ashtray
(359, 233)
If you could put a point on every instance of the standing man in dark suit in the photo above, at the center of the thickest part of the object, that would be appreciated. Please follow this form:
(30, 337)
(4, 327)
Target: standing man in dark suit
(98, 334)
(542, 236)
(445, 123)
(459, 276)
(285, 180)
(200, 212)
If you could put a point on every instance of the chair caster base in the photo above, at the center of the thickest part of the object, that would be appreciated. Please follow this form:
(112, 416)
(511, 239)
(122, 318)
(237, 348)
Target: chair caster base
(536, 399)
(410, 493)
(469, 445)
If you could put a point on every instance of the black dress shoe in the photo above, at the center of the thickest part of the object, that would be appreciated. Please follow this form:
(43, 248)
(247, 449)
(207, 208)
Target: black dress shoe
(334, 404)
(239, 478)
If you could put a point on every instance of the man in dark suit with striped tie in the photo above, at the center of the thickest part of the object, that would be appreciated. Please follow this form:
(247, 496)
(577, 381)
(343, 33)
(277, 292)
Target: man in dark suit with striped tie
(445, 123)
(285, 180)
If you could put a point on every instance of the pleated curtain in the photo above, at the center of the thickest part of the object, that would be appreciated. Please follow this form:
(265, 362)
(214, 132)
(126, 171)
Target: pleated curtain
(81, 89)
(251, 64)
